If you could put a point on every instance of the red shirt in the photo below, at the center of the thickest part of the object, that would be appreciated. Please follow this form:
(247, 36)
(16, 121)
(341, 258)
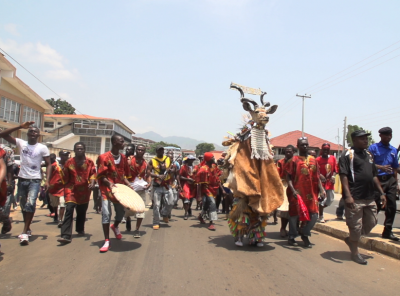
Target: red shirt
(327, 166)
(116, 173)
(280, 165)
(209, 180)
(77, 180)
(56, 182)
(305, 178)
(137, 170)
(188, 189)
(3, 185)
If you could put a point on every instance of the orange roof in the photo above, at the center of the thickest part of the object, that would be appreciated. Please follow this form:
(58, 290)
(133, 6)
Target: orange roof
(217, 154)
(291, 138)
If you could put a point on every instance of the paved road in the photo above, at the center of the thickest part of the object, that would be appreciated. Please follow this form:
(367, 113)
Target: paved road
(381, 215)
(184, 258)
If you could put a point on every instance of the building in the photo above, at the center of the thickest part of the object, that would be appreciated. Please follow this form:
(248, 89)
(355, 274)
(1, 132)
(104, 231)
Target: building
(19, 103)
(290, 138)
(142, 141)
(177, 151)
(66, 129)
(186, 152)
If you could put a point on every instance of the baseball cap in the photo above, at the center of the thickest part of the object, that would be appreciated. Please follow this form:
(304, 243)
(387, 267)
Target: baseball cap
(359, 133)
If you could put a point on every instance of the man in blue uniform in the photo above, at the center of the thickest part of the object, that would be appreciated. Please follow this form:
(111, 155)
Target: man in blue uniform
(385, 158)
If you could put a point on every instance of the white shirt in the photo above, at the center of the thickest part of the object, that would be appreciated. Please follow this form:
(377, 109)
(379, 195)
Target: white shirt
(31, 159)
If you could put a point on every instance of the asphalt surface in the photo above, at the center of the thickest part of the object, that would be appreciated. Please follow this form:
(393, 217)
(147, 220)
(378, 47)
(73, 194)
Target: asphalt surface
(184, 258)
(381, 215)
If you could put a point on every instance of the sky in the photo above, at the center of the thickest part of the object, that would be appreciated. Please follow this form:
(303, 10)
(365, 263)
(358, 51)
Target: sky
(166, 65)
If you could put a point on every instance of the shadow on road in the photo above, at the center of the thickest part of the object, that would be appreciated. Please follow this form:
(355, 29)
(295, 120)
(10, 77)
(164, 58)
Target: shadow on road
(118, 245)
(340, 256)
(227, 242)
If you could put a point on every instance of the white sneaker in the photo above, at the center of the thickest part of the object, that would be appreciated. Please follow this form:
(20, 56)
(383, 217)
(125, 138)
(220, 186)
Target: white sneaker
(321, 220)
(260, 245)
(123, 220)
(239, 244)
(23, 239)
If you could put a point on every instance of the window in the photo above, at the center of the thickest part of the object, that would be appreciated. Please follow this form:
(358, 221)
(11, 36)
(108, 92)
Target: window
(108, 145)
(32, 115)
(93, 144)
(49, 124)
(9, 110)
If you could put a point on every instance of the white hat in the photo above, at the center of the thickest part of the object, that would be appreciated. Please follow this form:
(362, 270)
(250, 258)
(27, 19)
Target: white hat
(190, 157)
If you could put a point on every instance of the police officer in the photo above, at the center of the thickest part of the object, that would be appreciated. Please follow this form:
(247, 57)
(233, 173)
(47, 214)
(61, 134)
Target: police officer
(385, 158)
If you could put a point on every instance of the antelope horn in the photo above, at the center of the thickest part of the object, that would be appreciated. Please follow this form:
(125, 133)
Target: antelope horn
(240, 90)
(262, 99)
(249, 101)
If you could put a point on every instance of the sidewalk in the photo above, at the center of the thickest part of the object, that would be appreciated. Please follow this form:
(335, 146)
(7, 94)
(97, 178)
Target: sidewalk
(373, 242)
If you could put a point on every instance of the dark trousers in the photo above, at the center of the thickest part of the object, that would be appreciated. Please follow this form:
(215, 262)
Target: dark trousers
(389, 186)
(66, 228)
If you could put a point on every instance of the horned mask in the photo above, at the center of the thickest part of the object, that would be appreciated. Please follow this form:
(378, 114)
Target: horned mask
(258, 113)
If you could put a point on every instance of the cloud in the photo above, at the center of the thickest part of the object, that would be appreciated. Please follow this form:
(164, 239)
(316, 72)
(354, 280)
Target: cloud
(12, 29)
(43, 54)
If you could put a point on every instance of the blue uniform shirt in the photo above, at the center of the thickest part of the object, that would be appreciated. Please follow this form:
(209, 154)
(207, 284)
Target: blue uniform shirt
(384, 155)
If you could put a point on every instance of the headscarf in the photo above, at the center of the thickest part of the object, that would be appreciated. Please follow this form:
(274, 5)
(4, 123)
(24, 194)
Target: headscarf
(207, 157)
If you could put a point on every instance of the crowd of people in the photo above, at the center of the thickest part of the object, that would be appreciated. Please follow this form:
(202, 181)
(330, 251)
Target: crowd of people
(368, 176)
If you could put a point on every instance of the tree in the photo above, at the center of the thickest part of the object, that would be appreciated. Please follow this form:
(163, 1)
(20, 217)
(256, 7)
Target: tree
(61, 106)
(204, 147)
(153, 147)
(352, 128)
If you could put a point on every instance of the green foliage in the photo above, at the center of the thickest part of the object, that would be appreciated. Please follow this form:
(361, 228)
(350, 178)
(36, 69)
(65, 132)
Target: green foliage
(153, 147)
(204, 147)
(61, 106)
(352, 128)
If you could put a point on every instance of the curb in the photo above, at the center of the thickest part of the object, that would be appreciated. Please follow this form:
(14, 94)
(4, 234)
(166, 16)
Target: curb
(368, 243)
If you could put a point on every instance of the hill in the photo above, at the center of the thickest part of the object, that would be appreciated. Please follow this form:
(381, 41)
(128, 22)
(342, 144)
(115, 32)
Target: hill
(183, 142)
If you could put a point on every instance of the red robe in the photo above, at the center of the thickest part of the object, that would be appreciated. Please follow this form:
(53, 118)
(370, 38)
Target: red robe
(327, 166)
(305, 178)
(56, 182)
(137, 170)
(3, 185)
(209, 180)
(280, 165)
(188, 189)
(116, 173)
(77, 180)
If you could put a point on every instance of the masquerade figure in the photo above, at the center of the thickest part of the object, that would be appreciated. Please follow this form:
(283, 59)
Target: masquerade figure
(252, 175)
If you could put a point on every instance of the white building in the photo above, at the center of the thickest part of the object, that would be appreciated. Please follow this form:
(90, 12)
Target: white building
(19, 103)
(95, 132)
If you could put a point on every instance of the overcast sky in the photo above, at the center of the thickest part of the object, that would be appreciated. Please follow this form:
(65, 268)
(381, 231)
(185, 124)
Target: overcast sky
(166, 65)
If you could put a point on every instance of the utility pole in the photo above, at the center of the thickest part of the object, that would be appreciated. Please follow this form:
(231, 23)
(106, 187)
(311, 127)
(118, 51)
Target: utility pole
(344, 132)
(338, 142)
(302, 121)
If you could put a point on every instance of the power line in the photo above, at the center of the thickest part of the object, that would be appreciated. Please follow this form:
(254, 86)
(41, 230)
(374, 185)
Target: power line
(357, 74)
(353, 70)
(38, 79)
(351, 66)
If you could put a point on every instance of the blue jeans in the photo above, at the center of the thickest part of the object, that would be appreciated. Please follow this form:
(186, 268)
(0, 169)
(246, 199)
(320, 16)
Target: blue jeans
(106, 211)
(306, 230)
(167, 195)
(28, 190)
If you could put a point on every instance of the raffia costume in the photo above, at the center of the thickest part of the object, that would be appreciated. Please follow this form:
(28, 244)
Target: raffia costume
(252, 175)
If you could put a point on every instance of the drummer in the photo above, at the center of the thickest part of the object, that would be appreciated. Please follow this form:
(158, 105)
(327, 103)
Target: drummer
(140, 183)
(112, 168)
